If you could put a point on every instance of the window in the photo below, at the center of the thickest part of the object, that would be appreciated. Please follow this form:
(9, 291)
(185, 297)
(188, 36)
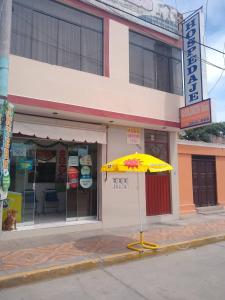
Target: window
(157, 144)
(56, 34)
(154, 64)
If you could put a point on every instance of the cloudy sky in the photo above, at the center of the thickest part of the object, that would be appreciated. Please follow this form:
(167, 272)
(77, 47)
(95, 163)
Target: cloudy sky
(215, 37)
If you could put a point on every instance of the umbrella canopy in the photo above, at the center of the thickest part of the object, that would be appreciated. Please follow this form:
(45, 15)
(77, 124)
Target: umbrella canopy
(136, 162)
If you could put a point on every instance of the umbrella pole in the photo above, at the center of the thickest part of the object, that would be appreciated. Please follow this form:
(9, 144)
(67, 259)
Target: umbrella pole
(139, 205)
(140, 215)
(142, 244)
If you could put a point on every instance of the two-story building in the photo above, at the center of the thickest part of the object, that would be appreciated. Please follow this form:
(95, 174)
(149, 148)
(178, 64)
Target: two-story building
(90, 85)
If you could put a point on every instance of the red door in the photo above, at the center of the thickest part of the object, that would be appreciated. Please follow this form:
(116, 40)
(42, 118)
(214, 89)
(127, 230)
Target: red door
(157, 194)
(157, 185)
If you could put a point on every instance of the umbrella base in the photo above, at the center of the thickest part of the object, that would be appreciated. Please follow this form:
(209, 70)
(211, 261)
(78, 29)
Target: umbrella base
(142, 245)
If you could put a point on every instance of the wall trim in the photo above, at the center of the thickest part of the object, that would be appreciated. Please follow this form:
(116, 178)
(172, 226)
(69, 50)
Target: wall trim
(200, 144)
(21, 100)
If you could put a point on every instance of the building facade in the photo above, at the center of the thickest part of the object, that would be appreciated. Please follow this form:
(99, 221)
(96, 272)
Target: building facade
(89, 86)
(201, 176)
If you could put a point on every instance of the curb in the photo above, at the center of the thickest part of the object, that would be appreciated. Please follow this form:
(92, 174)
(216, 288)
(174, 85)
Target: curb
(67, 269)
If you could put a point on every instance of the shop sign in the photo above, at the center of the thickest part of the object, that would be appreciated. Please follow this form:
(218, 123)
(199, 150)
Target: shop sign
(13, 201)
(86, 182)
(73, 161)
(120, 183)
(153, 12)
(197, 114)
(6, 122)
(86, 160)
(73, 175)
(25, 164)
(192, 58)
(85, 171)
(133, 135)
(18, 149)
(82, 151)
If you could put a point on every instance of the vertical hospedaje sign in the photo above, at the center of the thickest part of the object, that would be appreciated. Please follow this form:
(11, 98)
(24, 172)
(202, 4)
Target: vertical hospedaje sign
(192, 56)
(197, 109)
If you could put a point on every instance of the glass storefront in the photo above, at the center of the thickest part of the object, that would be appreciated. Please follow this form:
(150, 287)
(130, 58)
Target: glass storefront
(52, 181)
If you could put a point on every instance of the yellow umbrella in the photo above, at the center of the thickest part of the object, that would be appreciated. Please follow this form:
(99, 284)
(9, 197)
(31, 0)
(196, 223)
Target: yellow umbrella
(138, 162)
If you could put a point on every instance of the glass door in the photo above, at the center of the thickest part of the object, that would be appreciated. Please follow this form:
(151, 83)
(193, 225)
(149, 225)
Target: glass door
(22, 189)
(72, 185)
(82, 182)
(87, 200)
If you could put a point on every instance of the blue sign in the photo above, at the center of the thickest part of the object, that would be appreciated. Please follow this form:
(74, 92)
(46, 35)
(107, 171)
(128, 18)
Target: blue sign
(192, 56)
(25, 164)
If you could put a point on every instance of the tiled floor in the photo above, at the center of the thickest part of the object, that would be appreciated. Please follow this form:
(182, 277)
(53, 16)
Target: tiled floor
(31, 253)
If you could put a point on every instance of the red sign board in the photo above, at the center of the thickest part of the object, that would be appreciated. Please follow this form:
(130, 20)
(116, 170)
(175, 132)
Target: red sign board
(196, 115)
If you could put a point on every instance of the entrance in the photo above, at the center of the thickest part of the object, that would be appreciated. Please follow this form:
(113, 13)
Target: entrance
(52, 181)
(204, 180)
(157, 185)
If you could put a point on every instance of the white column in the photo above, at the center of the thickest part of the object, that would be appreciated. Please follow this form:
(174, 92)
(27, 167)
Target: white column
(119, 52)
(174, 174)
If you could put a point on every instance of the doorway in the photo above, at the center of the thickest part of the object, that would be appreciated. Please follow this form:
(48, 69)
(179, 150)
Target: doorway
(204, 180)
(158, 200)
(52, 181)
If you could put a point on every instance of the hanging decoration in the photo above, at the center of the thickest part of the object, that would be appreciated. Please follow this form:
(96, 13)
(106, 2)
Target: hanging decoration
(45, 155)
(6, 122)
(30, 141)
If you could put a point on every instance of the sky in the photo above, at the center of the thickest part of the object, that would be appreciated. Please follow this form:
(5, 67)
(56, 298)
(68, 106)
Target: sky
(214, 37)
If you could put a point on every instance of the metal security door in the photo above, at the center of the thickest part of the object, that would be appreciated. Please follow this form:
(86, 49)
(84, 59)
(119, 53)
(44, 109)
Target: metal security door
(157, 194)
(204, 180)
(158, 200)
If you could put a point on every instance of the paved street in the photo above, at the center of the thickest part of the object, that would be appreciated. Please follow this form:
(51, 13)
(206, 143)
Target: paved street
(185, 275)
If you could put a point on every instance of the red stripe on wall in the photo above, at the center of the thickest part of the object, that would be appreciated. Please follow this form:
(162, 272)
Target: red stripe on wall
(89, 111)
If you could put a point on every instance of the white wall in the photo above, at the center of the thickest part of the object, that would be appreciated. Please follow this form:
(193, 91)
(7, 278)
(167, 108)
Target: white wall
(120, 207)
(174, 174)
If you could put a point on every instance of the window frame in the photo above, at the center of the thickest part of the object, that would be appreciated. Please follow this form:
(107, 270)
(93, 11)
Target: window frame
(99, 64)
(170, 58)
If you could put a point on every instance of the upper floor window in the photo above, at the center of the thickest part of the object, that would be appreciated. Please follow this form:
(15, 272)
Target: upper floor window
(154, 64)
(56, 34)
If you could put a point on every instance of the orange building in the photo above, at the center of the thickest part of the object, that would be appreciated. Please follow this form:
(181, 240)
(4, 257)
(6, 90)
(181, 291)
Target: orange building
(201, 175)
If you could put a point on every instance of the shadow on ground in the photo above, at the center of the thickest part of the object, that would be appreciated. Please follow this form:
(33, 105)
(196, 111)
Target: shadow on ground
(106, 244)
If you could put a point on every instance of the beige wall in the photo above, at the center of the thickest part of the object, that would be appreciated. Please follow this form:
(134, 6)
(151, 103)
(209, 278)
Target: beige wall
(120, 207)
(185, 184)
(54, 83)
(220, 179)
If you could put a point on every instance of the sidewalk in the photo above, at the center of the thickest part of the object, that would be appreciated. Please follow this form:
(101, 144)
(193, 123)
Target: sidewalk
(32, 254)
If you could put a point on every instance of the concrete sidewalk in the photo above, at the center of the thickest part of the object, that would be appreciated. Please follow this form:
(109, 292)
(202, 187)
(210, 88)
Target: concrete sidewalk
(72, 251)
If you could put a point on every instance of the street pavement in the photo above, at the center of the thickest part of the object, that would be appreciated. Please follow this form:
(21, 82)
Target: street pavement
(194, 274)
(24, 255)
